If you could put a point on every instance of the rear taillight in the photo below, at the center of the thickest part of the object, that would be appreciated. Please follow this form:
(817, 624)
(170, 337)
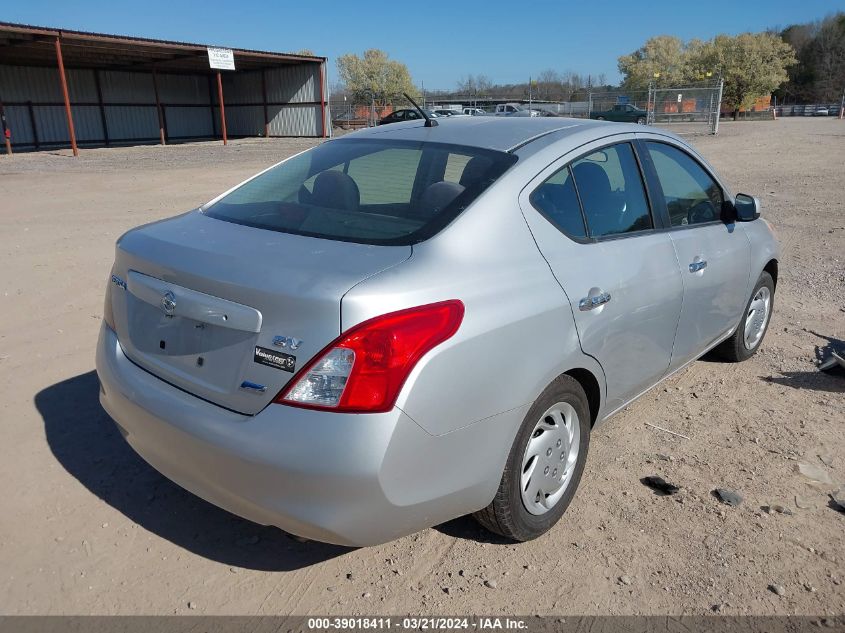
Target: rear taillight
(365, 368)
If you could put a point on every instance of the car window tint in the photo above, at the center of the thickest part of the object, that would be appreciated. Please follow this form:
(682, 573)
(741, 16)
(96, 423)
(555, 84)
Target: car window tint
(557, 200)
(611, 190)
(373, 191)
(385, 177)
(455, 165)
(692, 196)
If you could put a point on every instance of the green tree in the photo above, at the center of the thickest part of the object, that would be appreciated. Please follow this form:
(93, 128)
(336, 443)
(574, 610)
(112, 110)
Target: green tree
(661, 60)
(375, 76)
(751, 64)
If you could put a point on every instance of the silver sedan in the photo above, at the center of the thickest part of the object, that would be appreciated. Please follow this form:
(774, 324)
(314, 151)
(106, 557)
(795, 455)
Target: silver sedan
(411, 323)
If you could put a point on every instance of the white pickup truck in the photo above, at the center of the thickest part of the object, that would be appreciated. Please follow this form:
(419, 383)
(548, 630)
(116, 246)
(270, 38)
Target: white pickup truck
(513, 109)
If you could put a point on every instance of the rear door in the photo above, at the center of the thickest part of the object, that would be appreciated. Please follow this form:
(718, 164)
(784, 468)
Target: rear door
(591, 218)
(714, 257)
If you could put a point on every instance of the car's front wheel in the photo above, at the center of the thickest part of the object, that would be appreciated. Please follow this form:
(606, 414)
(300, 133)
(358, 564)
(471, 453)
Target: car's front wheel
(544, 465)
(640, 120)
(752, 327)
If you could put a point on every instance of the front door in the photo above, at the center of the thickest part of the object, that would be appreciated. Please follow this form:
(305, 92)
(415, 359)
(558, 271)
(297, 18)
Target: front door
(592, 222)
(714, 257)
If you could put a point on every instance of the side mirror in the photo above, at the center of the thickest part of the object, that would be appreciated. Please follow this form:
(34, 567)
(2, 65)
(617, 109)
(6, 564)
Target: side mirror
(747, 207)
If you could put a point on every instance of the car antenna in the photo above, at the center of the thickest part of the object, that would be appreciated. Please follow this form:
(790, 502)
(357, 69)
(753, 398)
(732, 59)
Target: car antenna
(429, 122)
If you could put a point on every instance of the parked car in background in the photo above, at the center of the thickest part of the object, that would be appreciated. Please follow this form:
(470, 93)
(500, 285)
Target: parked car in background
(405, 115)
(402, 326)
(514, 109)
(822, 111)
(622, 113)
(474, 111)
(447, 112)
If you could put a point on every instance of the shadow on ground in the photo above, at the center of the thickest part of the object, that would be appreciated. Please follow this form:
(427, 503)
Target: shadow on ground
(86, 442)
(469, 529)
(832, 380)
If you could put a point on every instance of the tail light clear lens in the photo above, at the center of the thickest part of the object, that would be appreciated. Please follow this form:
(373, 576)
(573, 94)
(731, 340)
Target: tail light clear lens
(365, 368)
(108, 314)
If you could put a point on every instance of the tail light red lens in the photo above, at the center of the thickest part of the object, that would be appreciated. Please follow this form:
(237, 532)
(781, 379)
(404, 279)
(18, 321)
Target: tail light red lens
(364, 370)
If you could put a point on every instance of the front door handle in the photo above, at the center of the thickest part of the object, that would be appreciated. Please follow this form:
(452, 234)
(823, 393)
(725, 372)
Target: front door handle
(697, 265)
(593, 301)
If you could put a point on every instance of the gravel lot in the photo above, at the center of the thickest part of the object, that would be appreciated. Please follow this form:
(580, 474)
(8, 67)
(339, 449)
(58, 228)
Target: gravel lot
(88, 528)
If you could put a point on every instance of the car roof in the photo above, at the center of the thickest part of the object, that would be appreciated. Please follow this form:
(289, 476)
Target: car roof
(497, 133)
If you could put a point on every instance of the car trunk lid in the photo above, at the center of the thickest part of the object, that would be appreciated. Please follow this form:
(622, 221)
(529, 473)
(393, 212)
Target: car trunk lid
(228, 312)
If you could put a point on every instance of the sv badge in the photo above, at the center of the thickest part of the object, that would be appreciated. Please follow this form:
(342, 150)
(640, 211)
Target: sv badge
(287, 341)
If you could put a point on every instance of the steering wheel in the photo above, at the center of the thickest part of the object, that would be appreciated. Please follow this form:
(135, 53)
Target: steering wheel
(701, 212)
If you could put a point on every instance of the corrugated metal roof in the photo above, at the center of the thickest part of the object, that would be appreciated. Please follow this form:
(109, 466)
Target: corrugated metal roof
(23, 44)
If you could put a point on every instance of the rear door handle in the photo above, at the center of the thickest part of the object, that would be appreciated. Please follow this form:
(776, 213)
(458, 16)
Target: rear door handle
(593, 301)
(697, 265)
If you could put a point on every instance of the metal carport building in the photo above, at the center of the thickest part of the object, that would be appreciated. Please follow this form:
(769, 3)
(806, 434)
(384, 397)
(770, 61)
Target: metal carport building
(62, 88)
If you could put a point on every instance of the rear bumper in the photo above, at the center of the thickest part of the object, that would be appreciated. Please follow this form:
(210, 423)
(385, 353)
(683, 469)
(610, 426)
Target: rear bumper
(340, 478)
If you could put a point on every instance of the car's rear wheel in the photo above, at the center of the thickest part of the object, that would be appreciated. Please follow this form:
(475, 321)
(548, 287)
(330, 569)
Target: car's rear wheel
(748, 336)
(599, 118)
(640, 120)
(544, 465)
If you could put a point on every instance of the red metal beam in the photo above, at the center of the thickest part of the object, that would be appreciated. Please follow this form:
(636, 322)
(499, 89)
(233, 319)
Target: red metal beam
(222, 108)
(7, 133)
(323, 96)
(67, 98)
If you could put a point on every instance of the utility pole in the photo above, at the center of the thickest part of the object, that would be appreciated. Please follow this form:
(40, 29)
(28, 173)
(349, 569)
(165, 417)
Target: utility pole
(529, 94)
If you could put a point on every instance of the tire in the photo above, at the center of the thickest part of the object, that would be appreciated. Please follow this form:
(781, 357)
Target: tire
(736, 348)
(599, 118)
(508, 514)
(640, 120)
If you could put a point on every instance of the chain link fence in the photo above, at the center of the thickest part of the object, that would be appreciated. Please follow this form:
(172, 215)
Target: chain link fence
(686, 110)
(346, 115)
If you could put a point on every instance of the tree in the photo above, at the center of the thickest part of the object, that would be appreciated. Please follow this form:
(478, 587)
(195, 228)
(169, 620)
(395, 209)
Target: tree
(375, 77)
(476, 85)
(751, 64)
(661, 60)
(305, 51)
(819, 74)
(549, 85)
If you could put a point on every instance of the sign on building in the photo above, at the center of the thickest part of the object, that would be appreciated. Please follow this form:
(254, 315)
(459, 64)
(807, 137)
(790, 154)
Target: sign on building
(221, 58)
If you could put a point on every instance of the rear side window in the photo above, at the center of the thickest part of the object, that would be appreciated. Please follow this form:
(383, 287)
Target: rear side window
(611, 189)
(557, 200)
(364, 190)
(692, 196)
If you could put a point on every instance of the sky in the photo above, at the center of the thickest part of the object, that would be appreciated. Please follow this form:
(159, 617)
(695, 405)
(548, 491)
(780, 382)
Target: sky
(440, 41)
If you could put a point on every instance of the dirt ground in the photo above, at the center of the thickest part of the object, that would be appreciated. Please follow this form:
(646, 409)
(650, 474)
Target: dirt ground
(88, 528)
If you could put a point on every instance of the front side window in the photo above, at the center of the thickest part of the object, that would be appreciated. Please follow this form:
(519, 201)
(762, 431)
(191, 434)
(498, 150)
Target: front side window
(610, 186)
(365, 190)
(691, 194)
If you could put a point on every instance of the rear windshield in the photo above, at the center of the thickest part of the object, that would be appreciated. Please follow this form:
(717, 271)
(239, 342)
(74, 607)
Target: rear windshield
(365, 190)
